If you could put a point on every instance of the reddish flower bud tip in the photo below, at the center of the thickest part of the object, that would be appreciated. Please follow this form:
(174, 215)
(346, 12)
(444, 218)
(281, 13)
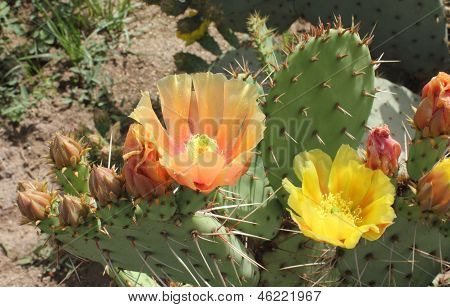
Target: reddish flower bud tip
(105, 185)
(433, 190)
(382, 151)
(432, 117)
(65, 151)
(72, 211)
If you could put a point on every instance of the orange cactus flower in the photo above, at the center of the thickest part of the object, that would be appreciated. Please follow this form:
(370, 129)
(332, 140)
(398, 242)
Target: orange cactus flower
(433, 113)
(144, 175)
(211, 127)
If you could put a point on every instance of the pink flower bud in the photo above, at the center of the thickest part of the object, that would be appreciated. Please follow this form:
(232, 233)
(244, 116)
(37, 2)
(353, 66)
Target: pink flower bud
(382, 151)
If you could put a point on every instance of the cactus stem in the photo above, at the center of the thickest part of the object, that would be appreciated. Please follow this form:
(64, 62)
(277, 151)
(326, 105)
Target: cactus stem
(338, 107)
(218, 271)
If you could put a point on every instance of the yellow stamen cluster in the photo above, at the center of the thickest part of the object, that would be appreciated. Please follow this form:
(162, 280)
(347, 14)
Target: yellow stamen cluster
(335, 204)
(199, 144)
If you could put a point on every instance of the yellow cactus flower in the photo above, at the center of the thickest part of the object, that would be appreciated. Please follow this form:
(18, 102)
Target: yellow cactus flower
(342, 200)
(211, 126)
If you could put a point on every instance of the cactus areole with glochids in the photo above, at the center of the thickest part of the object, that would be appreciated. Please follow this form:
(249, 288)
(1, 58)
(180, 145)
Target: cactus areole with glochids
(262, 179)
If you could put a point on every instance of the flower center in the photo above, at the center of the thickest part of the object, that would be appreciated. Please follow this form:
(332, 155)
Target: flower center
(335, 204)
(199, 144)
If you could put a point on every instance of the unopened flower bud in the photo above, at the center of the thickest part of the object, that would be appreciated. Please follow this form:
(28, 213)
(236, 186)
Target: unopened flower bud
(65, 151)
(34, 204)
(72, 211)
(144, 175)
(433, 190)
(382, 151)
(432, 117)
(105, 185)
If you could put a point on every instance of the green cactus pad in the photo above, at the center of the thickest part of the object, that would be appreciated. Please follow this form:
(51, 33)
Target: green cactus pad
(411, 31)
(393, 106)
(74, 180)
(409, 253)
(160, 209)
(253, 201)
(321, 98)
(292, 260)
(424, 153)
(188, 249)
(190, 201)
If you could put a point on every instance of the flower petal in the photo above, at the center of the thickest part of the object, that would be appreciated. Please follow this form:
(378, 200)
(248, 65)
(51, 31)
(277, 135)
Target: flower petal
(209, 91)
(175, 93)
(313, 169)
(238, 98)
(155, 133)
(339, 170)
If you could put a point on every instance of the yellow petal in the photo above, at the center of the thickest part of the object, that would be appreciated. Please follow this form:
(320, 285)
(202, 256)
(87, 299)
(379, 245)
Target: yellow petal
(313, 169)
(339, 170)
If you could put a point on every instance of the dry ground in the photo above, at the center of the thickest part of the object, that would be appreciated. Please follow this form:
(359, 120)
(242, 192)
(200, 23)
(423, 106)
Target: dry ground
(23, 148)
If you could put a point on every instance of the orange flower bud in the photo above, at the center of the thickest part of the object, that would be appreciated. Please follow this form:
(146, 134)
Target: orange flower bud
(144, 175)
(65, 151)
(105, 185)
(72, 211)
(382, 151)
(433, 191)
(433, 113)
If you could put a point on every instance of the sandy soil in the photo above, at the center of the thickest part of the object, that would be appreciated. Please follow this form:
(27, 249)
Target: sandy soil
(23, 148)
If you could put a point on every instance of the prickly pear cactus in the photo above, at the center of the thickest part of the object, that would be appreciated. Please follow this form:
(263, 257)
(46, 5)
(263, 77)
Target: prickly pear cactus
(411, 31)
(410, 253)
(252, 204)
(319, 97)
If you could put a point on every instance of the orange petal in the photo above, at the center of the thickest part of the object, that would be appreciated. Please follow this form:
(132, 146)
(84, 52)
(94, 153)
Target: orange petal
(209, 91)
(155, 133)
(238, 97)
(175, 93)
